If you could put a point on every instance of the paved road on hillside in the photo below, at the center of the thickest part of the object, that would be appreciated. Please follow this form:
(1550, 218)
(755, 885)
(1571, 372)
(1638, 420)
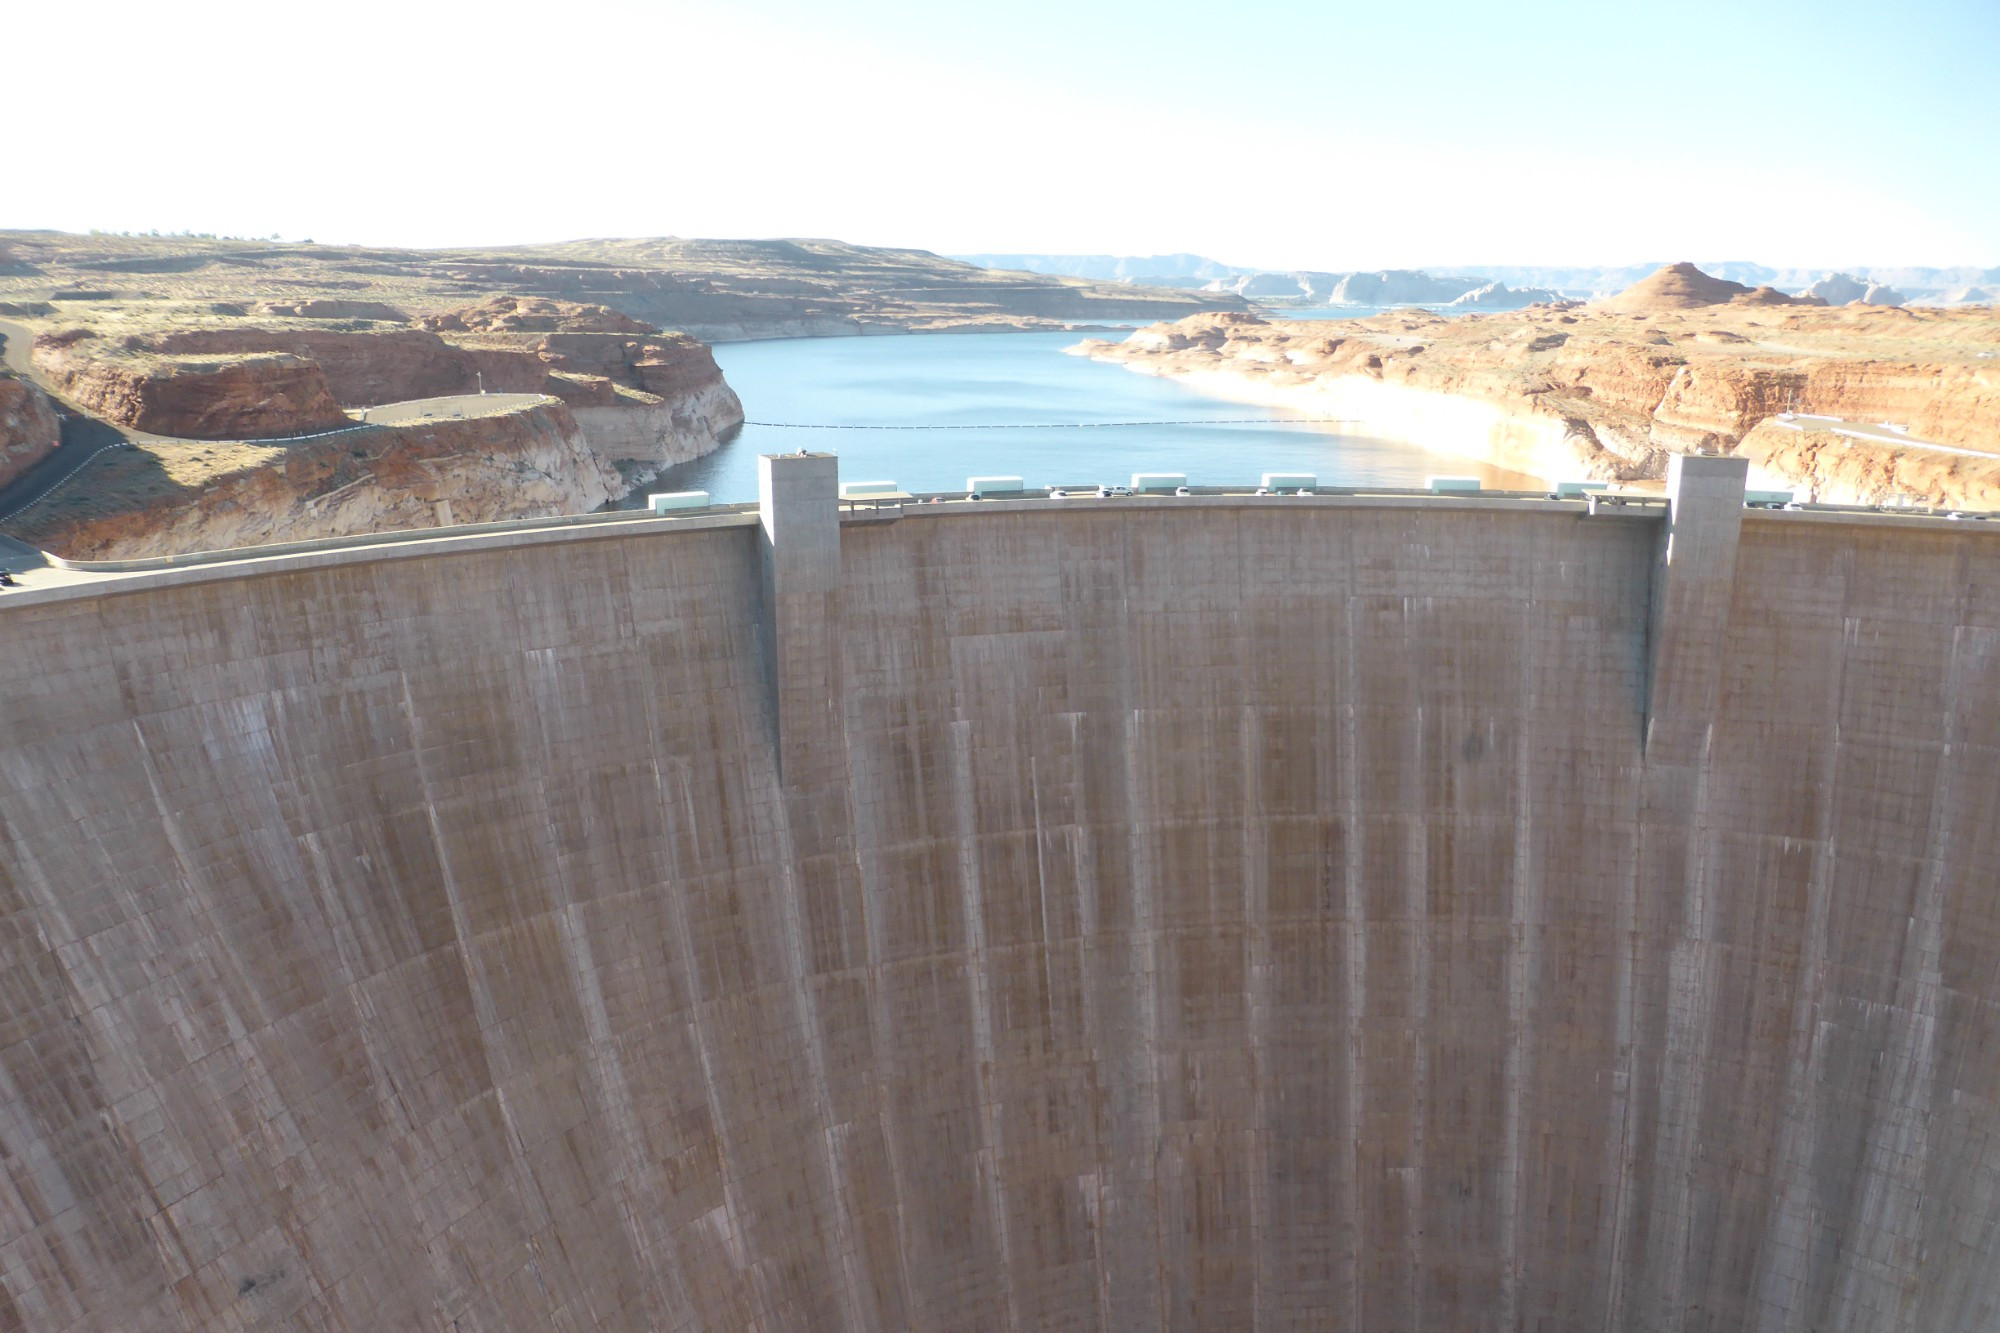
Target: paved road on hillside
(86, 438)
(1876, 433)
(83, 437)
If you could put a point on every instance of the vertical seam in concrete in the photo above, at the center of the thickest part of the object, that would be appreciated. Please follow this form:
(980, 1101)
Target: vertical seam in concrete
(1146, 942)
(1416, 901)
(1522, 973)
(604, 1060)
(1930, 980)
(1791, 1227)
(882, 1039)
(991, 1138)
(1690, 1026)
(1084, 866)
(791, 920)
(475, 978)
(1356, 960)
(1898, 1145)
(47, 903)
(734, 1213)
(1256, 940)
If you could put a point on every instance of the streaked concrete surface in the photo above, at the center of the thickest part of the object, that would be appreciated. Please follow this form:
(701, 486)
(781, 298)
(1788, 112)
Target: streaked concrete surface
(1192, 916)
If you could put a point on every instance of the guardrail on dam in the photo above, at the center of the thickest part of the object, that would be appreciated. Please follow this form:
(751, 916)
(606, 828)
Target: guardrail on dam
(1445, 915)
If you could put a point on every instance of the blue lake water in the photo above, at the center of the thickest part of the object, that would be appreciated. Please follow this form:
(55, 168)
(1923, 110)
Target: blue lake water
(1016, 380)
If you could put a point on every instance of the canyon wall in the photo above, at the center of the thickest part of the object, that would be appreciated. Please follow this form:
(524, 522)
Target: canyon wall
(252, 383)
(1185, 915)
(661, 432)
(528, 462)
(254, 395)
(1560, 393)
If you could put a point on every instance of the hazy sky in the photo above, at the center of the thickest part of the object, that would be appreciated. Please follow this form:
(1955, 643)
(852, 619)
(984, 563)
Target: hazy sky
(1331, 134)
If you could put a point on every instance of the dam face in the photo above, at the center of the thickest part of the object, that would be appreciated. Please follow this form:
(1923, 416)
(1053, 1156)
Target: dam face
(1463, 916)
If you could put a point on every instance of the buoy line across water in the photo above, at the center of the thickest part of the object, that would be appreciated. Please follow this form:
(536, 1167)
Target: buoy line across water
(1063, 425)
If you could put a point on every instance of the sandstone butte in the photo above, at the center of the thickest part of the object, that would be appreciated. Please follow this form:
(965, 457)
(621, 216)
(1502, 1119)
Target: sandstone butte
(580, 404)
(1680, 363)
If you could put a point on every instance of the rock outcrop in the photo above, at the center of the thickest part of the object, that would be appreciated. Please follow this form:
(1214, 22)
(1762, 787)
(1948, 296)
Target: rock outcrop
(1972, 294)
(1576, 392)
(529, 462)
(1499, 296)
(620, 400)
(1685, 287)
(1386, 287)
(1399, 287)
(333, 309)
(1846, 289)
(253, 393)
(534, 314)
(647, 397)
(1837, 289)
(29, 431)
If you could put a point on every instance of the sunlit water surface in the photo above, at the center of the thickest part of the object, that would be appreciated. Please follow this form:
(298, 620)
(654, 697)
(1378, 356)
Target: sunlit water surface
(1017, 380)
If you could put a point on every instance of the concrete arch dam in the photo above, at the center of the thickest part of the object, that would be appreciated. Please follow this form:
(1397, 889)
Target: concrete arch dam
(1278, 913)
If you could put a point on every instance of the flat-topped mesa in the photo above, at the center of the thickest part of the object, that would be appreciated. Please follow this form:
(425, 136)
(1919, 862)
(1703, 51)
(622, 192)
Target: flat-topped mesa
(509, 345)
(494, 458)
(644, 398)
(632, 399)
(243, 392)
(534, 314)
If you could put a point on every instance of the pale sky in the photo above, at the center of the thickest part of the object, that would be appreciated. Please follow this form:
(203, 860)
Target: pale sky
(1323, 135)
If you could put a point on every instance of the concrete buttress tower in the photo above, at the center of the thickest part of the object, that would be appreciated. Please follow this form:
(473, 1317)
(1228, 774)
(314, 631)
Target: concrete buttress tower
(1692, 589)
(799, 504)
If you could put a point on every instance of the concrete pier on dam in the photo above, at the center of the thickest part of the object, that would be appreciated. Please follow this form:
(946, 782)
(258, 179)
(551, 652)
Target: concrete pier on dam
(1269, 913)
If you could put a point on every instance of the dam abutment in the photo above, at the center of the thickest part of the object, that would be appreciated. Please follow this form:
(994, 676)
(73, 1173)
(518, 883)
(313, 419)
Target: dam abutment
(1281, 912)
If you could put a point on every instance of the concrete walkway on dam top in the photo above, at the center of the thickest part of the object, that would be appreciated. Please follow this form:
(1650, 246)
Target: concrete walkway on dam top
(1383, 913)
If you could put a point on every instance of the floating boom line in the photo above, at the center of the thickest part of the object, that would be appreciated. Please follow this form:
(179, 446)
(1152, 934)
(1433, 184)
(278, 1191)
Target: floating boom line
(1065, 425)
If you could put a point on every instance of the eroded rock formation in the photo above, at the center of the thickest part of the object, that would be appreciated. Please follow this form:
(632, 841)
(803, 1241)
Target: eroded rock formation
(642, 400)
(1592, 392)
(252, 392)
(1685, 287)
(531, 461)
(29, 431)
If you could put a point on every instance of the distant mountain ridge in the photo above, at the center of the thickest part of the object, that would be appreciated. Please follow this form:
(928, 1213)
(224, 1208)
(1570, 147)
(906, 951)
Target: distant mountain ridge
(1880, 284)
(1181, 270)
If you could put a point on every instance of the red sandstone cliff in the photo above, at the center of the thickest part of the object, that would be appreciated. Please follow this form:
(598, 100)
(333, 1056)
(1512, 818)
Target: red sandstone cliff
(260, 394)
(1588, 392)
(238, 382)
(642, 399)
(168, 499)
(29, 431)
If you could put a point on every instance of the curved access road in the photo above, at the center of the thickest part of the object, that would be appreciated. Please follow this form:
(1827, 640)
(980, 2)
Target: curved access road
(84, 437)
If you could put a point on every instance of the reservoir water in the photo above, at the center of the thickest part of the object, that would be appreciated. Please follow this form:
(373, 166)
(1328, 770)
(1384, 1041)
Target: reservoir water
(1020, 380)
